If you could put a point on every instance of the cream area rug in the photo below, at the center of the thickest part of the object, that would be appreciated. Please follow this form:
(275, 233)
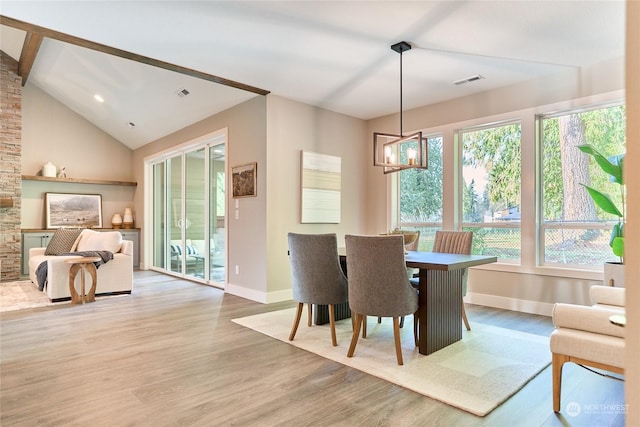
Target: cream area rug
(24, 294)
(476, 374)
(20, 295)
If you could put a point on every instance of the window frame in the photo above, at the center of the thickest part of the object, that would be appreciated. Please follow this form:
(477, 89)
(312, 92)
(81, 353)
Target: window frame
(531, 184)
(545, 225)
(487, 225)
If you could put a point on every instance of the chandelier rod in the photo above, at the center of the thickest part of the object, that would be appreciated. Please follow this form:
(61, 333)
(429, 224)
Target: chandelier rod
(401, 47)
(401, 93)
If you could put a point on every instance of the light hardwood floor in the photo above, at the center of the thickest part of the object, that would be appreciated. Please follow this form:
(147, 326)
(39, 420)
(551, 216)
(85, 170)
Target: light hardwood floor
(168, 355)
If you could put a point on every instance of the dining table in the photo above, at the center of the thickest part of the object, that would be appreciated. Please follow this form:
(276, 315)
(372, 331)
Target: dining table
(440, 296)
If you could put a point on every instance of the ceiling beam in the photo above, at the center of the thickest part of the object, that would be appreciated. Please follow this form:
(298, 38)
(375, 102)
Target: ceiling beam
(28, 55)
(77, 41)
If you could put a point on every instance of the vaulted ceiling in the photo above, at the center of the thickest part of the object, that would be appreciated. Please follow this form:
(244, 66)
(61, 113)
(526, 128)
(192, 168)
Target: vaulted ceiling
(332, 54)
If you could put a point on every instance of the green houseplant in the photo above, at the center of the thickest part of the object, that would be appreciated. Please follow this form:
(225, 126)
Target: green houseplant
(613, 166)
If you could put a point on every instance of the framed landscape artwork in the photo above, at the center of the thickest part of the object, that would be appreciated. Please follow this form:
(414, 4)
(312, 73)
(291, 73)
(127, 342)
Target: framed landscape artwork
(73, 210)
(244, 179)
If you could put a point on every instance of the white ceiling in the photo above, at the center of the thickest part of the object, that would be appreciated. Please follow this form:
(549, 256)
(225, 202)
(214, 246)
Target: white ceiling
(332, 54)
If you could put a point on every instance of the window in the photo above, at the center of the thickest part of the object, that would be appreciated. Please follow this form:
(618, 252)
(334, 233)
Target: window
(491, 164)
(420, 193)
(574, 230)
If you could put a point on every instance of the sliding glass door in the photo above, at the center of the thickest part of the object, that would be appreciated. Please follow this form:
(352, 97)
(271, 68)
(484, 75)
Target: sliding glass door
(189, 223)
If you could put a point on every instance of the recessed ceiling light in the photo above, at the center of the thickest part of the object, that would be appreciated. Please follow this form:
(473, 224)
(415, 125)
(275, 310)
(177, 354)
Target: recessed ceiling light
(131, 124)
(98, 98)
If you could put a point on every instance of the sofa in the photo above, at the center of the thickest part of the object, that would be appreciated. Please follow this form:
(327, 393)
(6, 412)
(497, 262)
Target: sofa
(114, 276)
(585, 335)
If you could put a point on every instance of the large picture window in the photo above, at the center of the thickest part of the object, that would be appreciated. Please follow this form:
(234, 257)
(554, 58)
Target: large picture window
(420, 193)
(575, 231)
(517, 181)
(491, 164)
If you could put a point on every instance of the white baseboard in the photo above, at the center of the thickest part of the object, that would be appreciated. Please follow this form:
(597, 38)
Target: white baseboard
(258, 296)
(525, 306)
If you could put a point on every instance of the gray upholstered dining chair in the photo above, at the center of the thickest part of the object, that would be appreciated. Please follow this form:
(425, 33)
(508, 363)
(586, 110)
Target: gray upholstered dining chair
(456, 242)
(378, 283)
(316, 276)
(411, 243)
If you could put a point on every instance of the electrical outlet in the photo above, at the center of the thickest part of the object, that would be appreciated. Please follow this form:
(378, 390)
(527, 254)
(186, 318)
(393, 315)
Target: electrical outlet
(237, 269)
(237, 214)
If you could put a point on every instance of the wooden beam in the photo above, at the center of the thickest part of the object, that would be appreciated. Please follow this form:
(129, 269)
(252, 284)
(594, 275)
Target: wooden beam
(28, 55)
(77, 41)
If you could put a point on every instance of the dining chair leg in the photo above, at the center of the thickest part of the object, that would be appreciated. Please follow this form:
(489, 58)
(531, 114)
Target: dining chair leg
(332, 323)
(296, 322)
(364, 326)
(396, 337)
(354, 336)
(415, 328)
(309, 314)
(464, 318)
(401, 321)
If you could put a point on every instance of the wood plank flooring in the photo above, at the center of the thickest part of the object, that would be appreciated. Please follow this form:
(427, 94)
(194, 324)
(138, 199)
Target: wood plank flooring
(168, 355)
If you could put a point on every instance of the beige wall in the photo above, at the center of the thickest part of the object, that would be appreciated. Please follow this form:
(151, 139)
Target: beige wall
(632, 240)
(292, 127)
(53, 133)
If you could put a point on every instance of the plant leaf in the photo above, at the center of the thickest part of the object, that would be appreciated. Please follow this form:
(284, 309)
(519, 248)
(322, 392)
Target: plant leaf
(617, 246)
(613, 168)
(603, 201)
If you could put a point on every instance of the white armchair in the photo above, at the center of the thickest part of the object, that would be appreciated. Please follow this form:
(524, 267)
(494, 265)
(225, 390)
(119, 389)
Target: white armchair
(585, 335)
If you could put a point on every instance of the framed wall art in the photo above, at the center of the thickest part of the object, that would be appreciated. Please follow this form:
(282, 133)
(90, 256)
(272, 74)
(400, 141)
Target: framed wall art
(321, 182)
(244, 180)
(73, 210)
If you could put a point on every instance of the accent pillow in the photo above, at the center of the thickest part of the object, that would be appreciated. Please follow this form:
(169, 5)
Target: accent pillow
(62, 241)
(99, 241)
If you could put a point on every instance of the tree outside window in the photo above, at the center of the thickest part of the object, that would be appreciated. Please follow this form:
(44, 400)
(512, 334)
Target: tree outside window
(420, 192)
(576, 231)
(491, 164)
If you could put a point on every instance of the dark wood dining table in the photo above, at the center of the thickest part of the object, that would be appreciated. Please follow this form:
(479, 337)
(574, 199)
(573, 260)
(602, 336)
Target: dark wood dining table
(440, 300)
(440, 286)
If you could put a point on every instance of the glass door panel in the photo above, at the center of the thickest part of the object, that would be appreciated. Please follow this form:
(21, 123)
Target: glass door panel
(189, 203)
(196, 247)
(217, 202)
(174, 206)
(159, 215)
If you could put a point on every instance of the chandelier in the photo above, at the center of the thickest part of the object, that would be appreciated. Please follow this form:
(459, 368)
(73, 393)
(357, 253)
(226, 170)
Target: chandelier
(389, 149)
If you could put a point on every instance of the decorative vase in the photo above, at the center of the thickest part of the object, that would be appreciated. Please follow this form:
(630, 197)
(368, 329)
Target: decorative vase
(116, 221)
(613, 274)
(49, 170)
(127, 219)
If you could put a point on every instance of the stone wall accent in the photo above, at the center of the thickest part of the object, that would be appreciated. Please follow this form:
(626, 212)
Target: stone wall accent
(10, 167)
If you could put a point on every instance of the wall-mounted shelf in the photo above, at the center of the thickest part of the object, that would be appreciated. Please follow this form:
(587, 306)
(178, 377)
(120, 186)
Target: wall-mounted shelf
(78, 180)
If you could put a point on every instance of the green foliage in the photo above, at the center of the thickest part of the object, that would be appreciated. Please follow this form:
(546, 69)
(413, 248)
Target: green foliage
(421, 189)
(612, 166)
(604, 129)
(497, 150)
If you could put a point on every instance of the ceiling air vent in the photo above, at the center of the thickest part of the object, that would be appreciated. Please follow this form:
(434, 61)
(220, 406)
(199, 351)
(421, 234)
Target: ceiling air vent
(182, 92)
(468, 79)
